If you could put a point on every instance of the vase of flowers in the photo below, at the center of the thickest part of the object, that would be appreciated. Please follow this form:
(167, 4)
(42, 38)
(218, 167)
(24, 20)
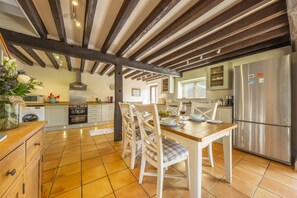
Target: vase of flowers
(53, 99)
(14, 85)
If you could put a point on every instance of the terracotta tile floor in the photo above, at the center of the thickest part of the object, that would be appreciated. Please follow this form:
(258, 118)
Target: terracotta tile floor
(78, 165)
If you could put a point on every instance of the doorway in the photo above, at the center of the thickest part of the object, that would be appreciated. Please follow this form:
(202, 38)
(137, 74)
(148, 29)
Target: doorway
(153, 94)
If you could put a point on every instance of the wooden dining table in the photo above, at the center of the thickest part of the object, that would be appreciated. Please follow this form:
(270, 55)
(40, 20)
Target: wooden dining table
(196, 136)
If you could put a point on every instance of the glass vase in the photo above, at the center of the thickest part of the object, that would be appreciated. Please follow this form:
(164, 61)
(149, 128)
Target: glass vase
(9, 114)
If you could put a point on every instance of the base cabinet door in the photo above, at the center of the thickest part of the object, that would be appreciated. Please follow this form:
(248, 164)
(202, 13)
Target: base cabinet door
(56, 115)
(33, 179)
(16, 190)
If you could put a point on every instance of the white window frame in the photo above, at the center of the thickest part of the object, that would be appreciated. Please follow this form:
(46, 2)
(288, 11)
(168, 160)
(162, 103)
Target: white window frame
(195, 81)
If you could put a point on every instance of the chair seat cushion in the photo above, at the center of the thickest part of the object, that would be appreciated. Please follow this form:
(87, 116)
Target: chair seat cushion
(171, 151)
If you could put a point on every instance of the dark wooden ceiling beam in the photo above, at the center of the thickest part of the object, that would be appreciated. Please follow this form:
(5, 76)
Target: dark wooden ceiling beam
(82, 65)
(105, 69)
(132, 74)
(235, 47)
(33, 15)
(78, 52)
(239, 46)
(237, 38)
(94, 68)
(123, 15)
(153, 77)
(268, 13)
(111, 72)
(19, 55)
(144, 76)
(196, 11)
(140, 75)
(261, 47)
(68, 61)
(33, 54)
(239, 9)
(56, 10)
(127, 70)
(89, 18)
(52, 59)
(163, 8)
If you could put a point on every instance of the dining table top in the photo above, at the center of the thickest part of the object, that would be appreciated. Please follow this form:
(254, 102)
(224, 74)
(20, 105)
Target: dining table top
(200, 131)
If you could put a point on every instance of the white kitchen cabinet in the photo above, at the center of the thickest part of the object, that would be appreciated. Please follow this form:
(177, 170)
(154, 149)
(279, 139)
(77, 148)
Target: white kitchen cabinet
(224, 114)
(107, 112)
(56, 115)
(219, 77)
(94, 113)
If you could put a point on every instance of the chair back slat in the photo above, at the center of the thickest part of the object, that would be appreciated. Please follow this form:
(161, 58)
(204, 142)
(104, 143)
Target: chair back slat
(150, 133)
(174, 108)
(208, 110)
(128, 120)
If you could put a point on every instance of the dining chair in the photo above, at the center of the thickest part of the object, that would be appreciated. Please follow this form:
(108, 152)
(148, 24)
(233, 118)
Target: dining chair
(209, 111)
(174, 108)
(131, 133)
(157, 150)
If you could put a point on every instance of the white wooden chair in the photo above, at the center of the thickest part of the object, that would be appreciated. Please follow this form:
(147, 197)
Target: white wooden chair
(174, 108)
(156, 150)
(131, 136)
(209, 111)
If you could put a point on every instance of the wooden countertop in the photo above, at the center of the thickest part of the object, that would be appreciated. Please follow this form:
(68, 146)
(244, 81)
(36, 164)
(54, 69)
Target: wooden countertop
(60, 103)
(16, 137)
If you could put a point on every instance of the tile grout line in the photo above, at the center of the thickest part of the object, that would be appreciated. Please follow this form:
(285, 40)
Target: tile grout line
(56, 172)
(104, 165)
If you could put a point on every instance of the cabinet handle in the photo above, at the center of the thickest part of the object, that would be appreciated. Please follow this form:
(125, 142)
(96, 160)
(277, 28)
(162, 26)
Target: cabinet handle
(37, 144)
(12, 172)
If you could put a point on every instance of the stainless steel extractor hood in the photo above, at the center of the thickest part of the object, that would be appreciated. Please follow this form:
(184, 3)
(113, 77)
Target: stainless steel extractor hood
(78, 85)
(77, 91)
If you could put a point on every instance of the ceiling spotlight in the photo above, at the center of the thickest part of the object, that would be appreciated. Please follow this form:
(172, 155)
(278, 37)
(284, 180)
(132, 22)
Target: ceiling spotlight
(219, 51)
(201, 57)
(74, 2)
(188, 61)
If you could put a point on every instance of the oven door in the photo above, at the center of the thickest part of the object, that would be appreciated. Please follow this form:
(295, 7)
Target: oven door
(78, 119)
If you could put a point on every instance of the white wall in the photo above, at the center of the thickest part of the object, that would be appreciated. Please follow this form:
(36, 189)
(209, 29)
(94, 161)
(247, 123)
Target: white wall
(57, 82)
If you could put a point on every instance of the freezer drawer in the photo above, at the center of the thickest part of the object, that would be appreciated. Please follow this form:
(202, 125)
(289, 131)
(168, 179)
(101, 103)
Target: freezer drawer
(273, 142)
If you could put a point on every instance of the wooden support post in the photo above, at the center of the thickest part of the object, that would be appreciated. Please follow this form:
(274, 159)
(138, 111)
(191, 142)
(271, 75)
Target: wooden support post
(118, 78)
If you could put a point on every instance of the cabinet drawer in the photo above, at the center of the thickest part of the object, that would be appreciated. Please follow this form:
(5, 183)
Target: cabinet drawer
(94, 110)
(33, 145)
(11, 167)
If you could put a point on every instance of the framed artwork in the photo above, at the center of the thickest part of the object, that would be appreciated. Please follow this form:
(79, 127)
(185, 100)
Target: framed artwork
(136, 92)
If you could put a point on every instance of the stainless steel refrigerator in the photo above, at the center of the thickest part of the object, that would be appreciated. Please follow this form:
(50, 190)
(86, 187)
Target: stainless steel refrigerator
(262, 108)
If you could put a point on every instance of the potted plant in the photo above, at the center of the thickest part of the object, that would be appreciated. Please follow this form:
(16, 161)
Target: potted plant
(14, 85)
(52, 98)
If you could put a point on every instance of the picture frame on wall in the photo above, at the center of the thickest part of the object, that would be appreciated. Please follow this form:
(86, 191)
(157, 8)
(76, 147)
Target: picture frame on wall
(136, 92)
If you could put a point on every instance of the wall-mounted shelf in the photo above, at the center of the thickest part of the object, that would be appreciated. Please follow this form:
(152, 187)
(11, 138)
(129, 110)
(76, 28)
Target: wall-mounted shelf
(218, 77)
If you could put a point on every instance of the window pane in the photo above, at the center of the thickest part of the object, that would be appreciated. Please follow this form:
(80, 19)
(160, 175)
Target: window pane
(189, 90)
(201, 89)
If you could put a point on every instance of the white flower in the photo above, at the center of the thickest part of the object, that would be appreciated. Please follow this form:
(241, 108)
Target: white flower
(23, 78)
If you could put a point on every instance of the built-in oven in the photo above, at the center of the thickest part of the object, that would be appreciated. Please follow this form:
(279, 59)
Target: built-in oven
(78, 114)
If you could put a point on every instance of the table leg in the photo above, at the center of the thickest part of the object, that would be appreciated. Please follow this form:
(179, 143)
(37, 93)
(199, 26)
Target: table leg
(195, 155)
(227, 143)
